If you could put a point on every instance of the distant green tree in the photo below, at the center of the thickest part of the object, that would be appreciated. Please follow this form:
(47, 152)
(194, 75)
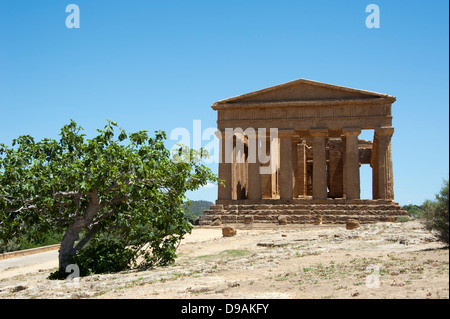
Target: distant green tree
(437, 213)
(193, 209)
(429, 208)
(31, 239)
(415, 211)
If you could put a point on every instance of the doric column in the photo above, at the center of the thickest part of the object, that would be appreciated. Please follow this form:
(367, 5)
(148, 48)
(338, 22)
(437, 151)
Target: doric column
(269, 166)
(351, 163)
(319, 163)
(295, 181)
(383, 166)
(225, 165)
(374, 166)
(239, 168)
(286, 172)
(275, 164)
(254, 175)
(302, 173)
(266, 184)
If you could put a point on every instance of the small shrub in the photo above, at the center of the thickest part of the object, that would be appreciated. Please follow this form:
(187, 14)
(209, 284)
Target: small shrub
(103, 256)
(33, 239)
(11, 245)
(402, 219)
(414, 210)
(100, 256)
(437, 214)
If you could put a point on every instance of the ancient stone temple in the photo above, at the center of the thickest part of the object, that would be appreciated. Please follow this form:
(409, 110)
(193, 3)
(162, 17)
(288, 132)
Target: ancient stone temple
(293, 150)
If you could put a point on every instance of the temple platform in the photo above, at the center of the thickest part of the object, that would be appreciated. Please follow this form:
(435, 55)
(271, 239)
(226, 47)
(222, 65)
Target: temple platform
(302, 211)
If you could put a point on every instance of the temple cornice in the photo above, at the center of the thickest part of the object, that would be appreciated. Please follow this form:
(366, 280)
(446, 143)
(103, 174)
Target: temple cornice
(301, 103)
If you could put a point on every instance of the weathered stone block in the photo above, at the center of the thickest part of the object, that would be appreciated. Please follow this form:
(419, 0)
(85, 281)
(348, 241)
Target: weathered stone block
(248, 219)
(228, 231)
(352, 224)
(318, 220)
(282, 220)
(216, 221)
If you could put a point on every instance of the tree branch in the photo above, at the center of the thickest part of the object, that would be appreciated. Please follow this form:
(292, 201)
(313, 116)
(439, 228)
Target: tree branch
(66, 194)
(86, 238)
(111, 187)
(24, 207)
(117, 201)
(106, 215)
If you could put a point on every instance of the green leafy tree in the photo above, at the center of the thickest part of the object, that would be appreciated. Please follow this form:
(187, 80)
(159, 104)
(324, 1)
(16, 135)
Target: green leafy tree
(193, 209)
(414, 210)
(437, 213)
(115, 185)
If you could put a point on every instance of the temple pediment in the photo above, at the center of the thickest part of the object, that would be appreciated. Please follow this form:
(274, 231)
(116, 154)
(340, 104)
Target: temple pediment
(303, 92)
(305, 104)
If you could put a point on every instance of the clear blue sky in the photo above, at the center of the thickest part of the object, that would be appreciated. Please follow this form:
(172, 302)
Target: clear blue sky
(161, 64)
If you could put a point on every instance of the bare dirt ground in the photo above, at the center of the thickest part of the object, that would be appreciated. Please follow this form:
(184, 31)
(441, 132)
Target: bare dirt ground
(383, 260)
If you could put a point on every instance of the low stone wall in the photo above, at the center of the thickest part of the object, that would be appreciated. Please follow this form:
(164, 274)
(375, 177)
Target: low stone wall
(27, 252)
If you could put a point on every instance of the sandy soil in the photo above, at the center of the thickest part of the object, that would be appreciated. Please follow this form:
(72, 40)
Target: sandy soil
(384, 260)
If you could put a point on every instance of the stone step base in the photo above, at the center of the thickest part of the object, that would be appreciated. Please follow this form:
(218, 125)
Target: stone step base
(326, 210)
(365, 211)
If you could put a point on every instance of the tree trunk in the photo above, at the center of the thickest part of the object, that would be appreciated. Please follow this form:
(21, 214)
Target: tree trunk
(67, 249)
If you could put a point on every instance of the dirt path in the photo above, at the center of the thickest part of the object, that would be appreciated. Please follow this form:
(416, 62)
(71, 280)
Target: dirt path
(384, 260)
